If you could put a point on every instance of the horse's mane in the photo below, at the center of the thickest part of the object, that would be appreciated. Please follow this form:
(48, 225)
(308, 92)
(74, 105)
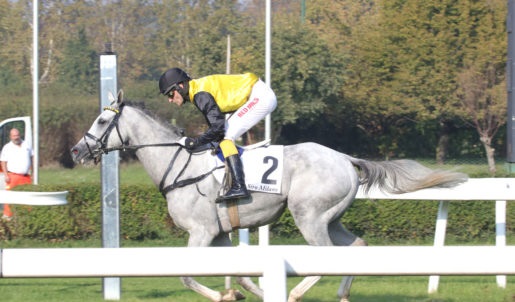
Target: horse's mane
(140, 106)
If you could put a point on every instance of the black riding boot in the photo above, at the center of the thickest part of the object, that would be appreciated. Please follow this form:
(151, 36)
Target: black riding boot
(238, 188)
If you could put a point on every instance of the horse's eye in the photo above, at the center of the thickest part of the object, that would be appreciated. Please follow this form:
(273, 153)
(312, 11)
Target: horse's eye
(101, 121)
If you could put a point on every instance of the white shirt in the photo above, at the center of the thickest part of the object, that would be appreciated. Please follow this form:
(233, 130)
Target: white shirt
(18, 158)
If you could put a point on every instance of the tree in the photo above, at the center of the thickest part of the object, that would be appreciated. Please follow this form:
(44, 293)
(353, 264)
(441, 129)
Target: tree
(16, 43)
(483, 98)
(79, 67)
(406, 57)
(481, 81)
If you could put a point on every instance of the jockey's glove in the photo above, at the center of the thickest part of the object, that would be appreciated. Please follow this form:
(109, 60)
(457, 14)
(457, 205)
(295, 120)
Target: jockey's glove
(187, 142)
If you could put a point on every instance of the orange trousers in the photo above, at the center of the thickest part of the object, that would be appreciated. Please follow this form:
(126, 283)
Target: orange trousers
(16, 180)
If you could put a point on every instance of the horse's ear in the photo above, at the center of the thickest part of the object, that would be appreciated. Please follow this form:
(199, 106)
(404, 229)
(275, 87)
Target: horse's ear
(111, 98)
(120, 96)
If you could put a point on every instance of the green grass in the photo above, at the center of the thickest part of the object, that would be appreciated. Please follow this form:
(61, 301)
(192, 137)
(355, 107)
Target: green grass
(365, 289)
(132, 173)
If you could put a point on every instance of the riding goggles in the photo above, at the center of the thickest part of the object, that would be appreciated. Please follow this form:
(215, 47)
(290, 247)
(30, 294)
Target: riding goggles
(170, 90)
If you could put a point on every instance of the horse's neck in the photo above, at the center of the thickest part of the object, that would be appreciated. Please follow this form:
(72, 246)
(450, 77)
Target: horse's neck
(143, 130)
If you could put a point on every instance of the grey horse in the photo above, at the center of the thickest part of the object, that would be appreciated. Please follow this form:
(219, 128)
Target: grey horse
(318, 185)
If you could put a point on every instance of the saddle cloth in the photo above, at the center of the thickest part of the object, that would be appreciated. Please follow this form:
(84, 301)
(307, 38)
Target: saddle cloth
(263, 167)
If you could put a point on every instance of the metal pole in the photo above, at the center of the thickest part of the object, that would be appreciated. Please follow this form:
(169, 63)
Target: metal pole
(263, 231)
(35, 92)
(510, 85)
(228, 62)
(228, 71)
(302, 10)
(110, 176)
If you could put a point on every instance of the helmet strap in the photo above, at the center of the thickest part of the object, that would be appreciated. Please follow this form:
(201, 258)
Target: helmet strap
(184, 91)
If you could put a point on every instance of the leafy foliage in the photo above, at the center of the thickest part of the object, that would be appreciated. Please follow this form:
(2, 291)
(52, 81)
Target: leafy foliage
(79, 67)
(367, 77)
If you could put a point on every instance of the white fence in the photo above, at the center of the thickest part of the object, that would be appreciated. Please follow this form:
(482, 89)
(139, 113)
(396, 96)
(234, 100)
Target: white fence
(33, 198)
(272, 262)
(276, 262)
(475, 189)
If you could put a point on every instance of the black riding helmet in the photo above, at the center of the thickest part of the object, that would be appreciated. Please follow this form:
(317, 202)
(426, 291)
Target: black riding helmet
(171, 78)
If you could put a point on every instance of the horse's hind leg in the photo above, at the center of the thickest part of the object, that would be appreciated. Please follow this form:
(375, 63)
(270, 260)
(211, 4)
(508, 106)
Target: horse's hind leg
(342, 237)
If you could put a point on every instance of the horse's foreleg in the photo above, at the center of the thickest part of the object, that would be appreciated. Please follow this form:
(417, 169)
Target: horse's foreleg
(301, 288)
(216, 296)
(199, 238)
(230, 294)
(212, 295)
(344, 290)
(249, 285)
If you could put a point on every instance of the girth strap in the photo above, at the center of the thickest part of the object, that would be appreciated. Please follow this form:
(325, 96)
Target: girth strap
(184, 182)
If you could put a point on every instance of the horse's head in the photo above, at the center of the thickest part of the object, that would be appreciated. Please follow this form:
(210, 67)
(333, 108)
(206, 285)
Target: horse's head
(98, 139)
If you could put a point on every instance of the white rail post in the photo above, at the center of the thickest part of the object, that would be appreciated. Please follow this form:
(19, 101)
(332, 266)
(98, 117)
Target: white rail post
(500, 231)
(110, 176)
(274, 279)
(441, 226)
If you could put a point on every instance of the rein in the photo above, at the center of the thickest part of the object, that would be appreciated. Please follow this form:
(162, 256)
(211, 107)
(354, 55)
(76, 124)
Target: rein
(101, 144)
(185, 182)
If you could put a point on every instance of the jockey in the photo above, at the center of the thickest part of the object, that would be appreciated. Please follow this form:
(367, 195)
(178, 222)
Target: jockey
(247, 98)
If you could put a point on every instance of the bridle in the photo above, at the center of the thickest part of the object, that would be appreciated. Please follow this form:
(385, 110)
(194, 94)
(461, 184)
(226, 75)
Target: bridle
(101, 148)
(101, 143)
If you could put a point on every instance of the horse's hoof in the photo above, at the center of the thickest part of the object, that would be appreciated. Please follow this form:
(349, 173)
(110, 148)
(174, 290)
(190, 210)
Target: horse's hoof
(292, 298)
(232, 295)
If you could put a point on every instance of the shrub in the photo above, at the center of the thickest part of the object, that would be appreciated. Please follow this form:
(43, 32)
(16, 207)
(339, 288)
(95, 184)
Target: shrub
(143, 215)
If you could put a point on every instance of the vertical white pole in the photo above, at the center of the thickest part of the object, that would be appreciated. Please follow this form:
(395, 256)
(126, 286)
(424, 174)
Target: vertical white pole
(500, 233)
(274, 280)
(110, 176)
(441, 226)
(263, 231)
(35, 90)
(228, 71)
(268, 60)
(228, 62)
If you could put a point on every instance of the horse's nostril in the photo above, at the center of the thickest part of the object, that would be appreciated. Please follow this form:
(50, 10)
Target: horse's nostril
(75, 151)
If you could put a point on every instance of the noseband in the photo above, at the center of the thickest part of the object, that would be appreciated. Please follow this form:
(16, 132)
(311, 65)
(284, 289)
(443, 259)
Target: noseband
(101, 143)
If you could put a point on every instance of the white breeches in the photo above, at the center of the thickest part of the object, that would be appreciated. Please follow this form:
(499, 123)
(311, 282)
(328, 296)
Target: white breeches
(262, 101)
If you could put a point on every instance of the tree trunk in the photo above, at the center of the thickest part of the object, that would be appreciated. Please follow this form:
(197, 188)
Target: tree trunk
(441, 149)
(443, 143)
(487, 144)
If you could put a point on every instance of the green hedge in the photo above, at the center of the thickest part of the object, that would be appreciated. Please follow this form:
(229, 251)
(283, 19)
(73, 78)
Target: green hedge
(401, 220)
(144, 215)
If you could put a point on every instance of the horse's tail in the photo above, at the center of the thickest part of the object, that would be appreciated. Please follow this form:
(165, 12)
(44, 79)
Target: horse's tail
(402, 176)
